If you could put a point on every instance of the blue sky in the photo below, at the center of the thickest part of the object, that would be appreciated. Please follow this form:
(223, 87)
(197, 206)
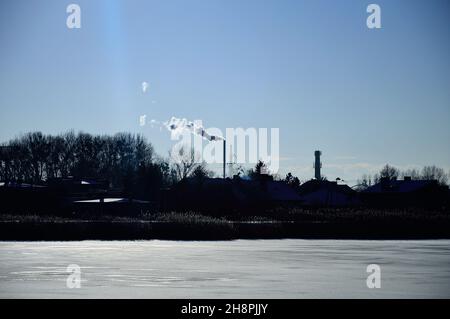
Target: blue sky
(311, 68)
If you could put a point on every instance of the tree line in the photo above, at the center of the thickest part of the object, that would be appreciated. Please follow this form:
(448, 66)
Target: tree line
(392, 173)
(126, 160)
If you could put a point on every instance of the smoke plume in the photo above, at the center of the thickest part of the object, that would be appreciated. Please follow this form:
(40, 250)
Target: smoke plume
(177, 126)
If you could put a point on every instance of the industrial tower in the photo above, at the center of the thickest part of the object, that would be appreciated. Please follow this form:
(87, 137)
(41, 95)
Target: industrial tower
(317, 165)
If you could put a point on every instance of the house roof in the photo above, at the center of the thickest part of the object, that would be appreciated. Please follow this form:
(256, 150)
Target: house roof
(279, 191)
(400, 186)
(316, 185)
(111, 200)
(316, 192)
(241, 189)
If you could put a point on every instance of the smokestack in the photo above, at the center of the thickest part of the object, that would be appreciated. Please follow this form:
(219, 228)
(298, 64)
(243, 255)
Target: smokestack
(224, 157)
(317, 165)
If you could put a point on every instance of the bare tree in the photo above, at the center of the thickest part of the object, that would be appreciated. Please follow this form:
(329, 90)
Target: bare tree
(413, 173)
(434, 173)
(292, 181)
(236, 169)
(5, 162)
(448, 177)
(364, 182)
(184, 161)
(389, 172)
(55, 164)
(38, 152)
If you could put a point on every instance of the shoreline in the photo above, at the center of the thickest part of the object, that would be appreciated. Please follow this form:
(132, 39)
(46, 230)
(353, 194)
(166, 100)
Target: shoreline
(74, 230)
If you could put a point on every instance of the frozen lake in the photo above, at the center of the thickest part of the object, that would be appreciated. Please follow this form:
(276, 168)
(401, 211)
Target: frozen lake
(226, 269)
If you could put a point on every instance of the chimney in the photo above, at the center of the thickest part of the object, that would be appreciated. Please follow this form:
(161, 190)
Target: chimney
(317, 165)
(224, 158)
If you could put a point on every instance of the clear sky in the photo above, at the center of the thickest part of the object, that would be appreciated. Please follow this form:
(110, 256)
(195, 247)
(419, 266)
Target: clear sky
(311, 68)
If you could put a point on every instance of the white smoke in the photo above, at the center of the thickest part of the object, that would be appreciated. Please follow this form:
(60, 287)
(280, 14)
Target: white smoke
(178, 126)
(142, 120)
(144, 87)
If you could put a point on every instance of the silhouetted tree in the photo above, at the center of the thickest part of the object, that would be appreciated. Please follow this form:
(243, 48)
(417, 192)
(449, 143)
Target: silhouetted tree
(434, 173)
(54, 163)
(37, 153)
(260, 169)
(448, 177)
(35, 157)
(292, 181)
(184, 161)
(414, 174)
(364, 182)
(389, 172)
(201, 172)
(236, 169)
(427, 173)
